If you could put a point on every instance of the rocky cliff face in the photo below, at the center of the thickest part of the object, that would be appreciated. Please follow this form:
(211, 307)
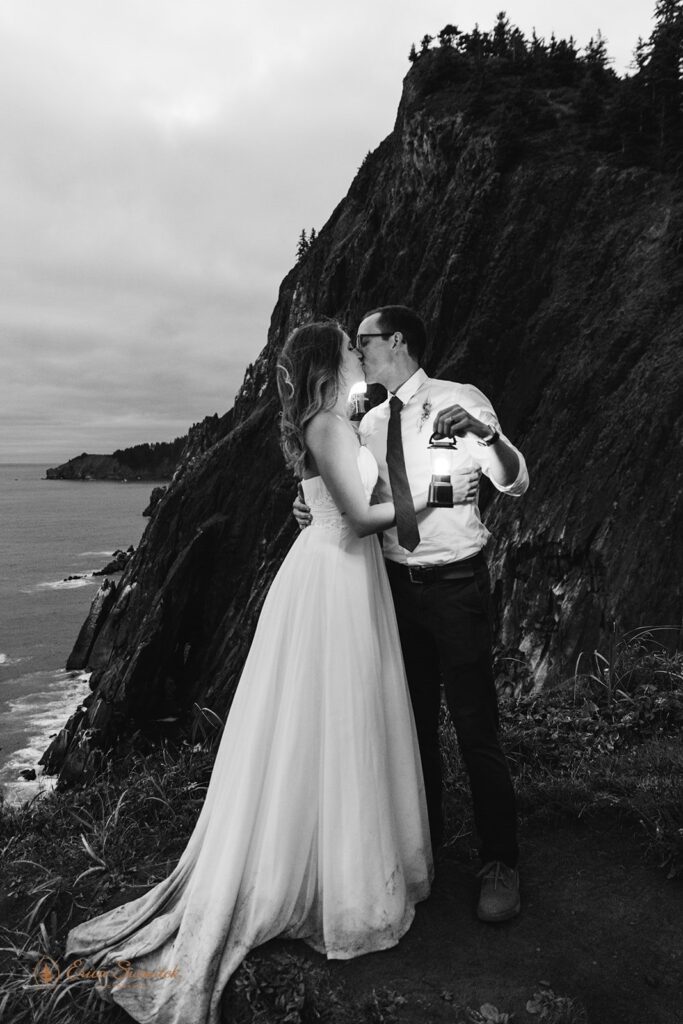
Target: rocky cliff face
(551, 277)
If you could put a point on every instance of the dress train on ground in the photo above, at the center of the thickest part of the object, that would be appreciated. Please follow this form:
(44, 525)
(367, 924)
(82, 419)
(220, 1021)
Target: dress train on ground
(314, 824)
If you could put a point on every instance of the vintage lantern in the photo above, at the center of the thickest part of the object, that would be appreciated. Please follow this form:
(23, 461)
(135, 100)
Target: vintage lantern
(357, 401)
(442, 456)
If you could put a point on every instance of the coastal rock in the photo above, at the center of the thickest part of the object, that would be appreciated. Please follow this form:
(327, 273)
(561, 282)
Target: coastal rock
(118, 563)
(99, 610)
(154, 499)
(550, 275)
(55, 756)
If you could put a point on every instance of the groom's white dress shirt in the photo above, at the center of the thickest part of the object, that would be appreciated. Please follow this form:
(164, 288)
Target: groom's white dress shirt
(446, 534)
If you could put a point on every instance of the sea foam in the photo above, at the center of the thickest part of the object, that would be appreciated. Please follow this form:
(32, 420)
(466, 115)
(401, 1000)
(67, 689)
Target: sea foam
(81, 581)
(39, 715)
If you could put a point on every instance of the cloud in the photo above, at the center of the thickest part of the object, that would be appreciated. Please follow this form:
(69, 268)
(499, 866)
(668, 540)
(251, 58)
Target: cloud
(158, 162)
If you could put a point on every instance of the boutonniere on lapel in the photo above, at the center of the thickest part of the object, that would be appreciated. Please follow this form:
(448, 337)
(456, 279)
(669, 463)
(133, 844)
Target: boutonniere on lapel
(426, 412)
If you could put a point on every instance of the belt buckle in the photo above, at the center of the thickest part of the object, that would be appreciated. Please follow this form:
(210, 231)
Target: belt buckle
(420, 573)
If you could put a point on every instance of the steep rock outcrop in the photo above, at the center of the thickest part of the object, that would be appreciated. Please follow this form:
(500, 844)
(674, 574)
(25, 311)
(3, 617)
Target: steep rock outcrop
(154, 499)
(550, 276)
(99, 610)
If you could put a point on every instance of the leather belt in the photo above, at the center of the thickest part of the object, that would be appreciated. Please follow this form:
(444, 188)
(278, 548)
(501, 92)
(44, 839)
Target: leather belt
(461, 570)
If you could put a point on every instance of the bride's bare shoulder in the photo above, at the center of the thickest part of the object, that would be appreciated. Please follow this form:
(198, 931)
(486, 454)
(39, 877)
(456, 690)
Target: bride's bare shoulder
(326, 426)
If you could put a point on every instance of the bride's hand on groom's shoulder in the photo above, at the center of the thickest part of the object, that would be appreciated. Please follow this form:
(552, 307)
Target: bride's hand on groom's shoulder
(300, 510)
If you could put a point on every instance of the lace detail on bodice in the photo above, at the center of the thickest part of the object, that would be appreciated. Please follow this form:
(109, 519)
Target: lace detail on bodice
(321, 503)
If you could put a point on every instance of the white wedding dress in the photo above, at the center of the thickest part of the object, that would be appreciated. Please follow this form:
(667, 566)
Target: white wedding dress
(314, 824)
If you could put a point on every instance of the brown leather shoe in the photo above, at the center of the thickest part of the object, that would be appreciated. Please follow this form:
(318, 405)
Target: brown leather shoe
(499, 897)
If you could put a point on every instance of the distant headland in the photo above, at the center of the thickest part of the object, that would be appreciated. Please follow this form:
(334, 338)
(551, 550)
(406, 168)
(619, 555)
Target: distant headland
(156, 461)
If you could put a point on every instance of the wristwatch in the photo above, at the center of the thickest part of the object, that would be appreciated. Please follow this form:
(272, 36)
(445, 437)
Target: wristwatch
(490, 439)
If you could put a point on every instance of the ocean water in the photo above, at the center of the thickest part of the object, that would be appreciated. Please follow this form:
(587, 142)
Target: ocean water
(49, 530)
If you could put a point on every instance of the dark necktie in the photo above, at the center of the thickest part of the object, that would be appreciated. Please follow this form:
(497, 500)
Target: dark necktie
(406, 520)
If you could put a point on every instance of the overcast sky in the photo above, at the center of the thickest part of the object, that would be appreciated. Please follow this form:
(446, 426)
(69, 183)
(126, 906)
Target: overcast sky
(158, 159)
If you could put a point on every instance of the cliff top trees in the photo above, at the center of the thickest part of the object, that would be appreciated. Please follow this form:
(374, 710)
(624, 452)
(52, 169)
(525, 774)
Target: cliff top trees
(649, 112)
(640, 117)
(505, 45)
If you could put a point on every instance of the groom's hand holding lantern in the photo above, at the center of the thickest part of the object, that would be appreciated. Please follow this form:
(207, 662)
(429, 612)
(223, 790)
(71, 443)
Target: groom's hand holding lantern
(450, 484)
(501, 457)
(456, 422)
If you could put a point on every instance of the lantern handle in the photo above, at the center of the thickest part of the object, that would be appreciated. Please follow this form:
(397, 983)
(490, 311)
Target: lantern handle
(441, 439)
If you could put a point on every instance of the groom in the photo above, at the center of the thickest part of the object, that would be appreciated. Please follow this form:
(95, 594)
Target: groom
(439, 578)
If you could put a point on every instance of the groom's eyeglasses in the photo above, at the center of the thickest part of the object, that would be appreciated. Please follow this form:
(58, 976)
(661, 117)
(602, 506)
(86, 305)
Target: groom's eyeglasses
(360, 338)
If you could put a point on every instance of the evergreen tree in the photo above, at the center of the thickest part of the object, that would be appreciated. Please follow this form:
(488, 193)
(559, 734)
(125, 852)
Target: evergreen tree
(312, 237)
(664, 70)
(629, 122)
(589, 103)
(641, 54)
(659, 81)
(302, 246)
(424, 43)
(562, 59)
(486, 44)
(473, 43)
(448, 34)
(412, 56)
(539, 51)
(538, 59)
(596, 53)
(500, 46)
(518, 47)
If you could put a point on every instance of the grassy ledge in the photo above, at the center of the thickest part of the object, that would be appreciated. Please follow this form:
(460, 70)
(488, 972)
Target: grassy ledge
(603, 742)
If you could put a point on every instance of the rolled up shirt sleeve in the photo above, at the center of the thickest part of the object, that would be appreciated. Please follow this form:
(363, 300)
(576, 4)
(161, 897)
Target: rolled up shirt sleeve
(483, 410)
(517, 488)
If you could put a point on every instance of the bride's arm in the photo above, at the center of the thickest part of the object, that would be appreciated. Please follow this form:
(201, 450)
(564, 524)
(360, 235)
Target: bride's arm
(335, 451)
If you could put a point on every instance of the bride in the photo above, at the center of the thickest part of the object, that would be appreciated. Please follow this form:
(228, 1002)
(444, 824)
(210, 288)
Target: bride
(314, 825)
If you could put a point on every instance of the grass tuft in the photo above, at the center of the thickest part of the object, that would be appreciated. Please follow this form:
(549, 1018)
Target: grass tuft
(596, 743)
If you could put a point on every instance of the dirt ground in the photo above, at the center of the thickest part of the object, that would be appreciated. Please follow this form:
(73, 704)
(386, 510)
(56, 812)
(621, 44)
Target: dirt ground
(597, 925)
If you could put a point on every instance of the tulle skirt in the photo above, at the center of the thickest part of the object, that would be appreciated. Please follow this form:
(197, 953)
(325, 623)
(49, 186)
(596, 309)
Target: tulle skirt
(314, 824)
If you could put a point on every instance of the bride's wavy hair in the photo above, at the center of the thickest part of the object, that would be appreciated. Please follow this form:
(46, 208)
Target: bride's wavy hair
(307, 382)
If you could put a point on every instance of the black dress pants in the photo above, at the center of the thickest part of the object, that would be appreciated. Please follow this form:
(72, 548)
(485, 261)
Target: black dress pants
(445, 630)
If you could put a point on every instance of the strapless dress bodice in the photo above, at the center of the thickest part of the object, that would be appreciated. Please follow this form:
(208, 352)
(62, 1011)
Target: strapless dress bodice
(321, 503)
